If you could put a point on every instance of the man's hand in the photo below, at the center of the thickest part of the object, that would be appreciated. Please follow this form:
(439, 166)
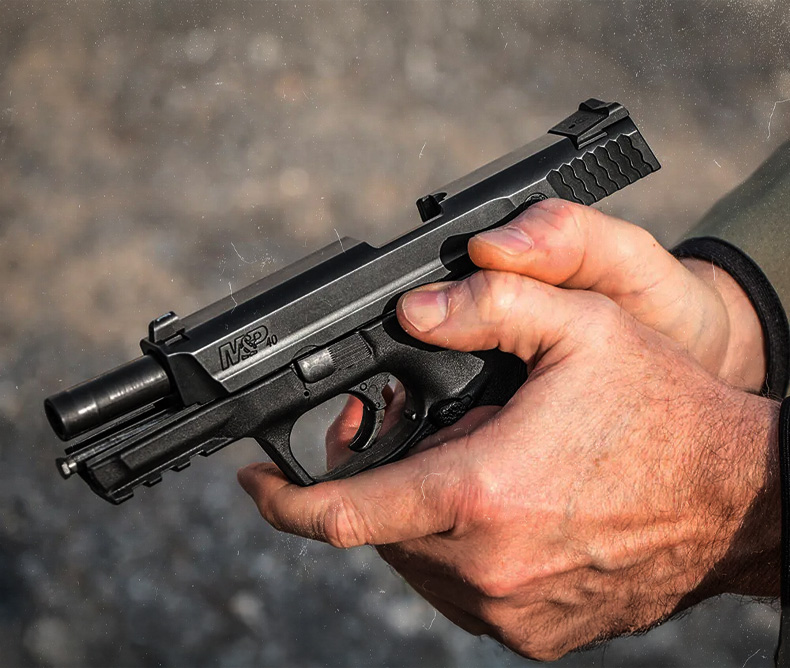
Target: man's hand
(692, 302)
(621, 483)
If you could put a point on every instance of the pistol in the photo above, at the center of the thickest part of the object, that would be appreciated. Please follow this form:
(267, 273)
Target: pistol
(250, 365)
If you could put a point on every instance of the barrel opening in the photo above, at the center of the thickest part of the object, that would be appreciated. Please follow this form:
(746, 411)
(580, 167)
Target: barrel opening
(55, 420)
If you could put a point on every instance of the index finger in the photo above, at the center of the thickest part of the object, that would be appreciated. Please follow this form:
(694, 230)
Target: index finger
(411, 498)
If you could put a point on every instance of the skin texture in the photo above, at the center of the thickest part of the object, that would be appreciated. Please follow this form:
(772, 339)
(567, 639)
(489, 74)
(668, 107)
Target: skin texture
(629, 477)
(693, 303)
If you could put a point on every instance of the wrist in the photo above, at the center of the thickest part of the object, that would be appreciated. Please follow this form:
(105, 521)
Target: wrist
(743, 363)
(748, 556)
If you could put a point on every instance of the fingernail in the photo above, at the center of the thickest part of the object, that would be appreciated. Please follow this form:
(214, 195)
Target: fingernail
(510, 240)
(425, 309)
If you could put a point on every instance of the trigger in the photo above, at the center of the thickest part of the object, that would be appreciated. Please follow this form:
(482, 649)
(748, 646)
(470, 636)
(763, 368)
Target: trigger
(370, 393)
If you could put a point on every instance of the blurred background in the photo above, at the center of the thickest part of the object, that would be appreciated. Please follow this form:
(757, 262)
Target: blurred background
(157, 155)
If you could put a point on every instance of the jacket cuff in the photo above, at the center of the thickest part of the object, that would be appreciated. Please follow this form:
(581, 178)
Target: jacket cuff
(763, 297)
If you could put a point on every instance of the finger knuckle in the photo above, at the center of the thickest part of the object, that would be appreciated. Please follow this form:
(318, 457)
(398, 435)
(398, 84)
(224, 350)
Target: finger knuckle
(270, 510)
(600, 315)
(541, 651)
(642, 238)
(562, 215)
(634, 245)
(343, 525)
(483, 489)
(476, 501)
(601, 308)
(272, 515)
(494, 583)
(569, 222)
(493, 294)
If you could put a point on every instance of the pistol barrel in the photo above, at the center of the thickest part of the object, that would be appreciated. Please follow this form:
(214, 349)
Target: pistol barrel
(117, 392)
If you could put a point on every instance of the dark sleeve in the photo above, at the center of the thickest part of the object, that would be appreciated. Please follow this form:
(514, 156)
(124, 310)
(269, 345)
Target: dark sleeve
(747, 233)
(763, 297)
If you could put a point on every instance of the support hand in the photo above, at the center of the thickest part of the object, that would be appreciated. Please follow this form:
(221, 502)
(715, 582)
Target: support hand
(692, 302)
(622, 483)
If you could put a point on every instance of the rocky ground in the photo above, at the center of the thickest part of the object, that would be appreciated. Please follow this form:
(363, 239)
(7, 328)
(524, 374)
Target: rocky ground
(158, 155)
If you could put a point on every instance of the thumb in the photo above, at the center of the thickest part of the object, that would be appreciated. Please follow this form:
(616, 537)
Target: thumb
(410, 498)
(574, 246)
(496, 309)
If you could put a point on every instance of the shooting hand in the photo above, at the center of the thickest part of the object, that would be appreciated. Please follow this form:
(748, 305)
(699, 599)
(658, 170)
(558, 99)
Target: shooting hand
(697, 305)
(621, 483)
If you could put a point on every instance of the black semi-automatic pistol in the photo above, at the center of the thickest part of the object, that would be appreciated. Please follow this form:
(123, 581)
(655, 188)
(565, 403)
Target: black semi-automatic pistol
(250, 365)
